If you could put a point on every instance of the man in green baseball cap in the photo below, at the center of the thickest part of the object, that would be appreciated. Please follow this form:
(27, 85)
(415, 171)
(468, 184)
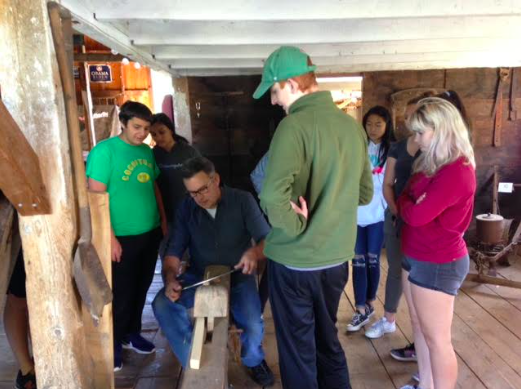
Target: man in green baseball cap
(284, 63)
(318, 173)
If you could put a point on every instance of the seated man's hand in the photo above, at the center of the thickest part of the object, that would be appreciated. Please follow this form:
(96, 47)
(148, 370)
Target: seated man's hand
(173, 290)
(248, 262)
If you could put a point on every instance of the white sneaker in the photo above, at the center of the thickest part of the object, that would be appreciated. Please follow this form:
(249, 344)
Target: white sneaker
(380, 328)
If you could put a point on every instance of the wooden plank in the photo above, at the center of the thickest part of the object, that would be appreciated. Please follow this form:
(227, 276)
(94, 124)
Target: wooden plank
(20, 174)
(493, 280)
(481, 358)
(198, 340)
(493, 318)
(100, 339)
(155, 383)
(512, 272)
(163, 363)
(213, 371)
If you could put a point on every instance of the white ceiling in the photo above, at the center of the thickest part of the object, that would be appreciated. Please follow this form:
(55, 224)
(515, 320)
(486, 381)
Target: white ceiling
(196, 37)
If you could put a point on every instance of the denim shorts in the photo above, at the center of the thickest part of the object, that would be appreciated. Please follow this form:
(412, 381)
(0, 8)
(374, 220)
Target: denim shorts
(442, 277)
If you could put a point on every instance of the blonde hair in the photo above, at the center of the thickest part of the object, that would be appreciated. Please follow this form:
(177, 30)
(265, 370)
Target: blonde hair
(450, 140)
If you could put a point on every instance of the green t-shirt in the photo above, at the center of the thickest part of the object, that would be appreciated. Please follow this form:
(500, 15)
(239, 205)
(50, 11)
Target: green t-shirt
(129, 173)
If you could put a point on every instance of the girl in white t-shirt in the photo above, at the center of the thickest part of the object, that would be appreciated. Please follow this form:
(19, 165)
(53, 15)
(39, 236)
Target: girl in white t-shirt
(378, 125)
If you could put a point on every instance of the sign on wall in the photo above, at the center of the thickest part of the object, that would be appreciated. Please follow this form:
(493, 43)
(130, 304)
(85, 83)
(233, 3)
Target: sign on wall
(100, 73)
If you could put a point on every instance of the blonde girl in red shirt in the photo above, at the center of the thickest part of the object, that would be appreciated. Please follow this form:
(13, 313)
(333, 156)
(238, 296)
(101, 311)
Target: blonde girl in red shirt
(436, 207)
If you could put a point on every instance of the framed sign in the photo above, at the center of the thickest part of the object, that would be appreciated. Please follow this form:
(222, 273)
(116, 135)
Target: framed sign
(100, 73)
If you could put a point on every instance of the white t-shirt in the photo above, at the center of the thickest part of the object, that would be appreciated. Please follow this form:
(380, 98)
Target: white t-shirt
(212, 212)
(374, 211)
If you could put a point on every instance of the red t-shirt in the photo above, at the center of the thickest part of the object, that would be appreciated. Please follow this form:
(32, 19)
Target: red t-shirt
(433, 229)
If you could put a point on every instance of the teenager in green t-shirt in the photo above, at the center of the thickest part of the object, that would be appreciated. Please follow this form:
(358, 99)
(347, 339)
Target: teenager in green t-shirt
(125, 168)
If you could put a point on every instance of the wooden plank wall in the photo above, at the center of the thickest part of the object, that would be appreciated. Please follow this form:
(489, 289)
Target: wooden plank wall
(230, 127)
(477, 88)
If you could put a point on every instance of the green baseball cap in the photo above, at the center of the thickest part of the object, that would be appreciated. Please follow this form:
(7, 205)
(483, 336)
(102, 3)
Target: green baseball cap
(285, 62)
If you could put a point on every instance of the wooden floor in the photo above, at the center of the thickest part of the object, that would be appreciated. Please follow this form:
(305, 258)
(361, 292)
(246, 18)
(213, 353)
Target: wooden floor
(486, 336)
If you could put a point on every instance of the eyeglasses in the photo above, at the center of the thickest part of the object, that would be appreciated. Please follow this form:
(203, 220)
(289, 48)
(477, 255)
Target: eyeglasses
(203, 190)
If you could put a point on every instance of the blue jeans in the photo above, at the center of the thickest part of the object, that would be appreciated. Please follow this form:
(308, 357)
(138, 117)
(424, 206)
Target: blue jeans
(366, 264)
(245, 309)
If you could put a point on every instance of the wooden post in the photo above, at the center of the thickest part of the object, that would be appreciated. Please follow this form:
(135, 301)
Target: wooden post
(495, 194)
(100, 338)
(183, 122)
(87, 107)
(31, 90)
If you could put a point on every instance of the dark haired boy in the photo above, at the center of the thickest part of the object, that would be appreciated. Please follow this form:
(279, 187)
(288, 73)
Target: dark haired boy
(125, 168)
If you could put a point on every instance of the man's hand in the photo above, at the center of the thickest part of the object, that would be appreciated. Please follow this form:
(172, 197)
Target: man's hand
(248, 262)
(303, 209)
(173, 290)
(116, 249)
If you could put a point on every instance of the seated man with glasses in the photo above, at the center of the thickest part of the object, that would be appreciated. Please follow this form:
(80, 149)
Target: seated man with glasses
(216, 224)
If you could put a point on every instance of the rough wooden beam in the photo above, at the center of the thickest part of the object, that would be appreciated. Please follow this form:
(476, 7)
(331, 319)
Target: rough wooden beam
(110, 36)
(484, 60)
(20, 175)
(262, 51)
(290, 10)
(154, 32)
(100, 339)
(493, 280)
(481, 58)
(31, 90)
(97, 57)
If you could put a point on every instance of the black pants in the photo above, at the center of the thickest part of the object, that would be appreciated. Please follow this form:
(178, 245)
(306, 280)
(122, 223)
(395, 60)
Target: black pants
(131, 279)
(305, 305)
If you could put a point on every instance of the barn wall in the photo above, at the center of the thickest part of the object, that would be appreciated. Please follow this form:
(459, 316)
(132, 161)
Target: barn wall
(477, 88)
(229, 126)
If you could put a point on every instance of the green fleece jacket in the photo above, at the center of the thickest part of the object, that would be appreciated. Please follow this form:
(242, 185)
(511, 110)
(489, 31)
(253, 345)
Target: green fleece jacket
(320, 153)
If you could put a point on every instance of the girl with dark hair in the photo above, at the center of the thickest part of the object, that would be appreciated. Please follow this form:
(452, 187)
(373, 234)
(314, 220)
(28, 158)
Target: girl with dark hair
(171, 151)
(125, 168)
(378, 125)
(164, 123)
